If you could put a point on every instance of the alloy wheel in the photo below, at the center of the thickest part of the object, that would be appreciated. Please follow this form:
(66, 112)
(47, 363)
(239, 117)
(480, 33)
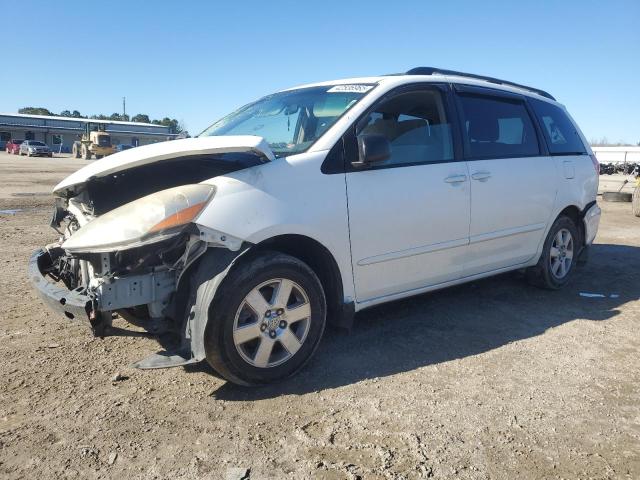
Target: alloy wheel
(561, 255)
(272, 323)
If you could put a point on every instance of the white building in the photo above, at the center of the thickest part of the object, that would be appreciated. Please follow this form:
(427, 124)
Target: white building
(617, 154)
(60, 132)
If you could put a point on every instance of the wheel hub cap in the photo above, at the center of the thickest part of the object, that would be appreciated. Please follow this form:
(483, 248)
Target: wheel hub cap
(273, 320)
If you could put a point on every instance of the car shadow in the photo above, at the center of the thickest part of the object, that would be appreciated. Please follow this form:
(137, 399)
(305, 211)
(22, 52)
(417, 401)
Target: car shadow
(457, 322)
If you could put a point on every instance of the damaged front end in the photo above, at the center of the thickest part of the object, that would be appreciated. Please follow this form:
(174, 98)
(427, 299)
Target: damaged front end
(127, 240)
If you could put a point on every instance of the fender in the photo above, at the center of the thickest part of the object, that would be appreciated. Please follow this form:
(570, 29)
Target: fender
(205, 281)
(211, 270)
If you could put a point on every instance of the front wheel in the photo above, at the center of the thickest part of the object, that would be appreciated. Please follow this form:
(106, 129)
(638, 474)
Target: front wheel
(266, 320)
(558, 257)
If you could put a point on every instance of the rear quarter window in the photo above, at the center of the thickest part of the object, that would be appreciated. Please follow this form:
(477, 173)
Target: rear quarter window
(559, 131)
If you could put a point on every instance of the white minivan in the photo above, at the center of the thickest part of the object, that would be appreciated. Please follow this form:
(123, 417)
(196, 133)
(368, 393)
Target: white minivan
(300, 209)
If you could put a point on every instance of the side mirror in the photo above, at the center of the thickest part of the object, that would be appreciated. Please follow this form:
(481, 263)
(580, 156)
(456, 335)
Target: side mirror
(372, 148)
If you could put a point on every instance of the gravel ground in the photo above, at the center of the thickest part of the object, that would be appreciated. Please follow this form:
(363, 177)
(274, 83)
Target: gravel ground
(489, 380)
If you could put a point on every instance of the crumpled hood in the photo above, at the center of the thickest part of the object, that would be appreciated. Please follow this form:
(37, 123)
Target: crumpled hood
(157, 152)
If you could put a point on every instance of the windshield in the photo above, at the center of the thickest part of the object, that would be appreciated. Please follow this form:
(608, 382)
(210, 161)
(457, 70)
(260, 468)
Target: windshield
(37, 144)
(104, 140)
(291, 121)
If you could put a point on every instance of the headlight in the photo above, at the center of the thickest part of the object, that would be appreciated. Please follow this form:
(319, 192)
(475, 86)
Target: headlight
(147, 220)
(32, 149)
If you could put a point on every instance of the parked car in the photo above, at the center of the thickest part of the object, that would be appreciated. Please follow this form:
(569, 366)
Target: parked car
(13, 146)
(33, 148)
(360, 192)
(122, 147)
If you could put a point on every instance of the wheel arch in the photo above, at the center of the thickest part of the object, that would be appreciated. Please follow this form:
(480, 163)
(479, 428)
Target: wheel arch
(325, 266)
(576, 215)
(203, 277)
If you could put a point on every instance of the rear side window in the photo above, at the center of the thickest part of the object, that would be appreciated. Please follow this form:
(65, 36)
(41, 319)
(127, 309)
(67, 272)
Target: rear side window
(497, 127)
(558, 130)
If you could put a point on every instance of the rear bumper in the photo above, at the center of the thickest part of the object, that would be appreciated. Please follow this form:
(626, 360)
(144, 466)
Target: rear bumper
(591, 221)
(73, 304)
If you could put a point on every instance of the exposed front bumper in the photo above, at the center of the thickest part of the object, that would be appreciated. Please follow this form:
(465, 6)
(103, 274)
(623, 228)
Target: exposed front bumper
(153, 289)
(591, 222)
(74, 304)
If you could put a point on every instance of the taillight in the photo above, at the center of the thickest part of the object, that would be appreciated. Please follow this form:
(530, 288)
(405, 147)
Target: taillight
(596, 164)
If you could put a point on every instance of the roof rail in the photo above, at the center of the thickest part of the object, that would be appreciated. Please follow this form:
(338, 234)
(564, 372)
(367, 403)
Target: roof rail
(441, 71)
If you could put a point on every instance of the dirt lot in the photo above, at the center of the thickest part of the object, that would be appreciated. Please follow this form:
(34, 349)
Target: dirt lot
(493, 379)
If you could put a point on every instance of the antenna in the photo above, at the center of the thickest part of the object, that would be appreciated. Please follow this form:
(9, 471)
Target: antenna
(124, 107)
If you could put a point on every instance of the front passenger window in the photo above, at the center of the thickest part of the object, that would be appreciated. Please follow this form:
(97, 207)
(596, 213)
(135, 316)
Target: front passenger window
(416, 126)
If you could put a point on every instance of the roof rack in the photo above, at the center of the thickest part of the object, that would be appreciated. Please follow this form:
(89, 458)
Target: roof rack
(441, 71)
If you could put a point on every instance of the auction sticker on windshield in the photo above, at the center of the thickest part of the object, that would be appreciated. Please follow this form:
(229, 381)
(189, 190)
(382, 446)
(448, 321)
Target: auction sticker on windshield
(350, 88)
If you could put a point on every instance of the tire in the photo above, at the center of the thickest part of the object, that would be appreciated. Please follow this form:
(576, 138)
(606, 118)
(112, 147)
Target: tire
(616, 197)
(635, 204)
(98, 157)
(238, 358)
(75, 151)
(548, 273)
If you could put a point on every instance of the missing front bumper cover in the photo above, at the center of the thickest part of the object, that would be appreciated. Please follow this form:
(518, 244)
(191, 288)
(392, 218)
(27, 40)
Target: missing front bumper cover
(73, 304)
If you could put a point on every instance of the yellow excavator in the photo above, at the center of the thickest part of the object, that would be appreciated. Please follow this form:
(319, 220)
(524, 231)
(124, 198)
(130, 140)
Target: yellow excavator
(95, 141)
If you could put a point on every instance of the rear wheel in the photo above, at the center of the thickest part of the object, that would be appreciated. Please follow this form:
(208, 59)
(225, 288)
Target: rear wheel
(75, 151)
(635, 204)
(559, 256)
(266, 320)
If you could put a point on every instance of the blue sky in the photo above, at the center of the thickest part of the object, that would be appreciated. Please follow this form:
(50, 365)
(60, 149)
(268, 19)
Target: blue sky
(196, 61)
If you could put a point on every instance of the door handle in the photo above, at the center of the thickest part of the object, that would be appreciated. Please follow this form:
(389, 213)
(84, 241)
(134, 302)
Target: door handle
(456, 179)
(481, 175)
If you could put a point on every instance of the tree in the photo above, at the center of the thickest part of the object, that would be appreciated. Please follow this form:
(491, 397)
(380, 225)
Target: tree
(76, 114)
(141, 117)
(119, 117)
(65, 113)
(35, 111)
(172, 123)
